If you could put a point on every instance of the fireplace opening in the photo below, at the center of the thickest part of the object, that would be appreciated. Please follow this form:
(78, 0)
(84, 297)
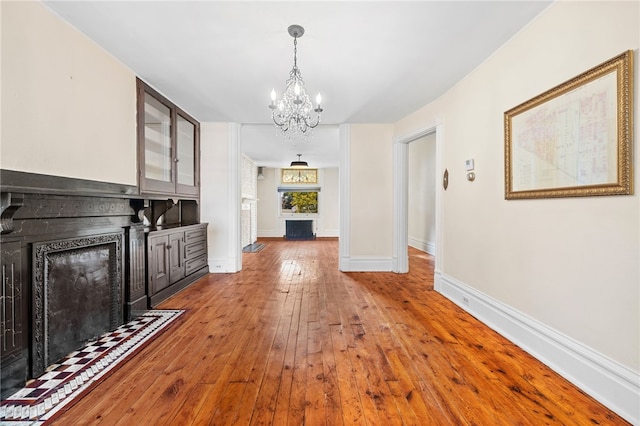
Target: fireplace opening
(77, 294)
(299, 230)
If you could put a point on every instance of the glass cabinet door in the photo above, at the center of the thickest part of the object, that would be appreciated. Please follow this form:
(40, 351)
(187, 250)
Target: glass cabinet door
(157, 140)
(186, 152)
(168, 146)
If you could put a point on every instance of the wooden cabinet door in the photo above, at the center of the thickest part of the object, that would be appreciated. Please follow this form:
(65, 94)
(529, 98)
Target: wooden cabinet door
(159, 267)
(176, 256)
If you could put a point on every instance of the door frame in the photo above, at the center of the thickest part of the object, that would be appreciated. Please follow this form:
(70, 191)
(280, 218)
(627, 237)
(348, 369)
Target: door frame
(400, 260)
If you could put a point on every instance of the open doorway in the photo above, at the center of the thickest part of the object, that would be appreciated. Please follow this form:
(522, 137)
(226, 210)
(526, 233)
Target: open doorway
(401, 174)
(421, 200)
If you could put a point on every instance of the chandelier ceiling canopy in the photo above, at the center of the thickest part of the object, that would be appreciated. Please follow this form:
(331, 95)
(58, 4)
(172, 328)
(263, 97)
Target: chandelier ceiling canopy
(293, 112)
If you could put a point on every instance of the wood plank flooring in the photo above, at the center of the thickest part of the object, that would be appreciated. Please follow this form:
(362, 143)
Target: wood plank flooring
(290, 340)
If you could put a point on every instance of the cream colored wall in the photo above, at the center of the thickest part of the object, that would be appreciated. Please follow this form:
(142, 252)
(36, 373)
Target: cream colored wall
(570, 263)
(330, 208)
(421, 198)
(215, 180)
(371, 191)
(268, 203)
(68, 107)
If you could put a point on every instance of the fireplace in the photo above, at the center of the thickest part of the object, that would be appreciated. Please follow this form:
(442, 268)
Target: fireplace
(77, 294)
(299, 230)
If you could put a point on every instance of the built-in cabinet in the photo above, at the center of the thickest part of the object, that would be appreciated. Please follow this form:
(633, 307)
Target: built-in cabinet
(169, 182)
(168, 146)
(176, 258)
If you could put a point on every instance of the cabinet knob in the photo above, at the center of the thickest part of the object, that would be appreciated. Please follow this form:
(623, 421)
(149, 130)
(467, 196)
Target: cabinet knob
(168, 247)
(176, 159)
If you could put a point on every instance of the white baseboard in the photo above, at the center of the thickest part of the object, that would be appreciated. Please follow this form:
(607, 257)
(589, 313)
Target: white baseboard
(425, 246)
(350, 264)
(270, 233)
(614, 385)
(222, 266)
(328, 233)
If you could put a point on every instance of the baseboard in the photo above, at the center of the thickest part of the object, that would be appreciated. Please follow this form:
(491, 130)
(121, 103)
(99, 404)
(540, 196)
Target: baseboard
(222, 266)
(270, 233)
(330, 233)
(425, 246)
(350, 264)
(614, 385)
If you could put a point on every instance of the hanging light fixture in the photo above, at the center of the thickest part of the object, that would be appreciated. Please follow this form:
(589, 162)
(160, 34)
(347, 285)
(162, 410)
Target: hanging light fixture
(292, 113)
(299, 163)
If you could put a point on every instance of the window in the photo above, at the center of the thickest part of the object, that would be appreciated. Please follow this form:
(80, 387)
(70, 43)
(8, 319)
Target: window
(303, 202)
(299, 175)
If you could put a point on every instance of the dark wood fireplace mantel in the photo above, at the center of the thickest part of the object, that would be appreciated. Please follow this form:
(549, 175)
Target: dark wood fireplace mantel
(69, 242)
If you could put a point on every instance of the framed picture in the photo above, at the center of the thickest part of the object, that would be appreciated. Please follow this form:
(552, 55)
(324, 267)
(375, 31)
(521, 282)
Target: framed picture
(576, 139)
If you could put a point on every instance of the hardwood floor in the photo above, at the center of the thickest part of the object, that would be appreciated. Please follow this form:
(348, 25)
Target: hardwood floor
(290, 340)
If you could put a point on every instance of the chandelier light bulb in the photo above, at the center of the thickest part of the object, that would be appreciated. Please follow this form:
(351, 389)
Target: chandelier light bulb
(318, 100)
(273, 96)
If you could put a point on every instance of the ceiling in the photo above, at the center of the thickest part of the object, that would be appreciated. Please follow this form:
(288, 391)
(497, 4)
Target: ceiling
(372, 61)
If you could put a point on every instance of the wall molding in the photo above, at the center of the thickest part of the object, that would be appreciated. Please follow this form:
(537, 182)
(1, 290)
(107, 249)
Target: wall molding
(425, 246)
(36, 183)
(222, 265)
(362, 264)
(609, 382)
(344, 198)
(235, 197)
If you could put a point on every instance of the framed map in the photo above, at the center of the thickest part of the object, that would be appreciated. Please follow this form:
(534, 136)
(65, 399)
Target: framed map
(575, 139)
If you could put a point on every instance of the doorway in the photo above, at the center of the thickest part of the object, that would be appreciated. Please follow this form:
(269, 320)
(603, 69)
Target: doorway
(401, 196)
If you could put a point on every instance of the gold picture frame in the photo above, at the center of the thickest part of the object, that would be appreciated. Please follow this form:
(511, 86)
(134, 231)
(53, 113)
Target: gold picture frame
(574, 140)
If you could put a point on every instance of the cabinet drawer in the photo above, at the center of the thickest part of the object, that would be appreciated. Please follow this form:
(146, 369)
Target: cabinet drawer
(195, 264)
(194, 235)
(193, 250)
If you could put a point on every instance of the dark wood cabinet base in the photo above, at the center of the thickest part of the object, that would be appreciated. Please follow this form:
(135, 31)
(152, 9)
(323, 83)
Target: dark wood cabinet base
(164, 294)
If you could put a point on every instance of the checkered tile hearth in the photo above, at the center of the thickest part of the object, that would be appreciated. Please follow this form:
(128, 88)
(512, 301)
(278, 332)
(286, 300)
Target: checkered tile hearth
(79, 371)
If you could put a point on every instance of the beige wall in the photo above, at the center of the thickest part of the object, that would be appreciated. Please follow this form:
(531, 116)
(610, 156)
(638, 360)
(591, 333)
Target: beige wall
(421, 185)
(329, 196)
(371, 193)
(268, 211)
(68, 107)
(571, 263)
(215, 195)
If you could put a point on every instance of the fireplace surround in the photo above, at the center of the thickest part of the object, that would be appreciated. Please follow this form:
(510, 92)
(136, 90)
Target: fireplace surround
(66, 246)
(77, 294)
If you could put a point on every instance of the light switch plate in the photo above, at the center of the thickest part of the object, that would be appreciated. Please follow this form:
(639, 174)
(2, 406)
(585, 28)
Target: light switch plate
(469, 165)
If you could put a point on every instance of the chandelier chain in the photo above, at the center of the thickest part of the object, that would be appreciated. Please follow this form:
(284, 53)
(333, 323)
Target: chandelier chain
(295, 52)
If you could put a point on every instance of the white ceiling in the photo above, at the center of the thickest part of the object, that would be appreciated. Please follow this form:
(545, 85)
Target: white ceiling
(373, 61)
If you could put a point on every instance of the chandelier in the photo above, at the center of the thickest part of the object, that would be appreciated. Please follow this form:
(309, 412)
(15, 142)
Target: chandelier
(292, 113)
